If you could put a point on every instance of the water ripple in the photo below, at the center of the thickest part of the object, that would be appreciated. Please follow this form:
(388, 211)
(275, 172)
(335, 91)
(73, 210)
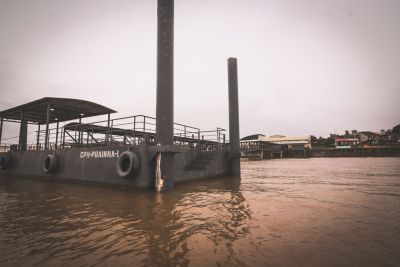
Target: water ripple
(313, 212)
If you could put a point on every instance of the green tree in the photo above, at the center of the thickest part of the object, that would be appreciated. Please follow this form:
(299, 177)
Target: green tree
(396, 129)
(330, 142)
(314, 140)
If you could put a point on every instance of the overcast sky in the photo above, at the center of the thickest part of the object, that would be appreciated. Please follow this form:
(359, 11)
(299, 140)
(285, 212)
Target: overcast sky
(305, 67)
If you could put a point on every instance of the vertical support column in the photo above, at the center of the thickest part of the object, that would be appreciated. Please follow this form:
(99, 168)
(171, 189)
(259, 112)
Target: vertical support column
(234, 117)
(56, 146)
(1, 128)
(23, 133)
(46, 140)
(108, 128)
(134, 131)
(63, 137)
(165, 89)
(79, 131)
(38, 137)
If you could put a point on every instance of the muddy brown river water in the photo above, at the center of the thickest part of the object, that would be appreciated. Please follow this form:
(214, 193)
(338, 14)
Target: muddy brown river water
(289, 212)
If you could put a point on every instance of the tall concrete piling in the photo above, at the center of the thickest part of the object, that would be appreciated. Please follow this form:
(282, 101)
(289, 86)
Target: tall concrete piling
(234, 141)
(165, 91)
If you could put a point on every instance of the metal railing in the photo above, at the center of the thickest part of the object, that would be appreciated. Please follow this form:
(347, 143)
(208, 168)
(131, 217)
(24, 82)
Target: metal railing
(132, 130)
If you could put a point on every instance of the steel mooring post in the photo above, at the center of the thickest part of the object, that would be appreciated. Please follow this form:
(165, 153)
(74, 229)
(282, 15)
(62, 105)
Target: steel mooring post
(234, 117)
(165, 92)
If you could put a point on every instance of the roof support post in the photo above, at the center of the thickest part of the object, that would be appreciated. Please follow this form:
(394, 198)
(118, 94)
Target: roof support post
(234, 117)
(134, 130)
(38, 138)
(23, 133)
(56, 146)
(165, 90)
(79, 131)
(63, 138)
(1, 127)
(108, 128)
(46, 140)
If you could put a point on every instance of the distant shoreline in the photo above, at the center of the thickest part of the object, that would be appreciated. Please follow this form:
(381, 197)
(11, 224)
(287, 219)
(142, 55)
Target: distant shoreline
(332, 153)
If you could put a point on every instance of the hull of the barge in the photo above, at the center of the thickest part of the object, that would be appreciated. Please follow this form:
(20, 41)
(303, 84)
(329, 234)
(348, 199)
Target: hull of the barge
(98, 165)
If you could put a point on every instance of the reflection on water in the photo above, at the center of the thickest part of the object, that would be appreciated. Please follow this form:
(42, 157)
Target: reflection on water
(313, 212)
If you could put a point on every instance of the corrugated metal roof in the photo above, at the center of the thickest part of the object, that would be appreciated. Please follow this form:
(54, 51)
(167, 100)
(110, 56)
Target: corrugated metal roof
(63, 109)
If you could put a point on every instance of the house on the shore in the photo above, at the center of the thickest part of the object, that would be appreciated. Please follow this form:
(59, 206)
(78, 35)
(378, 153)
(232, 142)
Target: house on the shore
(290, 142)
(368, 137)
(343, 142)
(284, 142)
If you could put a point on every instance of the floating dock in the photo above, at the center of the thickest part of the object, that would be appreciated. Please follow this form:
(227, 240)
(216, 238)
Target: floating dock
(136, 151)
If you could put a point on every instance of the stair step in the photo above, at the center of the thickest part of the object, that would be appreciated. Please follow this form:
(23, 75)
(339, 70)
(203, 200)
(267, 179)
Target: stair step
(196, 167)
(200, 162)
(205, 158)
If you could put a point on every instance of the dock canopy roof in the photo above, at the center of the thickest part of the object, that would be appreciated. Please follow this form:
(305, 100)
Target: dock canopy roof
(61, 109)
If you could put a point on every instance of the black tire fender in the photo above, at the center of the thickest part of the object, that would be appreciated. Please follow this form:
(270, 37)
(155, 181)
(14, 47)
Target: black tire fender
(5, 161)
(50, 163)
(127, 164)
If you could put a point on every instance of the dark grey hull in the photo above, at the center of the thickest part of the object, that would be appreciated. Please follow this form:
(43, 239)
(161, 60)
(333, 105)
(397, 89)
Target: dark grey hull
(98, 165)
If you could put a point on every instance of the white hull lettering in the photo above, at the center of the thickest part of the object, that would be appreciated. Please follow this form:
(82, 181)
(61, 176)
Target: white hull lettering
(102, 154)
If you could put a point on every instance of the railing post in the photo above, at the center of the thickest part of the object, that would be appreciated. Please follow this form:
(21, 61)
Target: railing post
(92, 136)
(75, 131)
(23, 133)
(79, 132)
(111, 133)
(38, 137)
(198, 137)
(1, 128)
(108, 128)
(63, 141)
(144, 124)
(56, 146)
(46, 141)
(134, 130)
